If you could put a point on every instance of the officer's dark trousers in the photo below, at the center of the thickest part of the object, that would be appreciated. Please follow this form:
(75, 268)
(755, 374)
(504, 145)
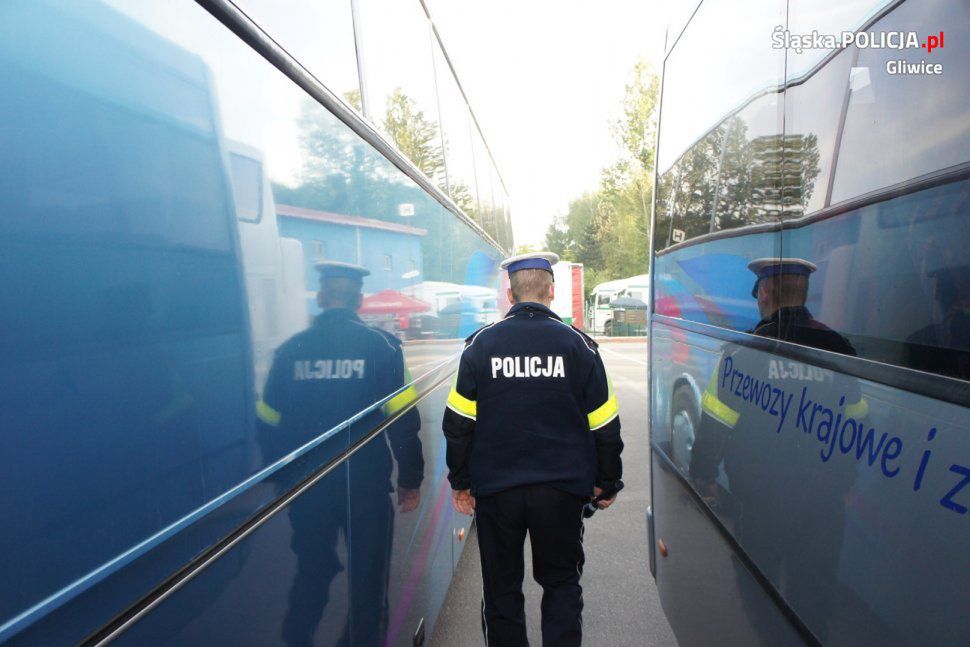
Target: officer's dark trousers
(317, 520)
(554, 522)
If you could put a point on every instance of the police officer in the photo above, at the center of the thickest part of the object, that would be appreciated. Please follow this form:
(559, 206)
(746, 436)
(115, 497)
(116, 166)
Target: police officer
(776, 498)
(533, 432)
(781, 288)
(320, 378)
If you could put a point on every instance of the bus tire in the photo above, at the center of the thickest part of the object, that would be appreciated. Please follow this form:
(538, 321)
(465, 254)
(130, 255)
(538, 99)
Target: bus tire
(608, 328)
(684, 422)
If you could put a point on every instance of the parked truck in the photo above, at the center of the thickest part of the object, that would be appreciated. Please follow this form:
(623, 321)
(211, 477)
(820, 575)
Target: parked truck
(600, 314)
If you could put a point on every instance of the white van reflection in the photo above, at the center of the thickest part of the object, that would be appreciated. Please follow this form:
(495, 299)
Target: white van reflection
(273, 264)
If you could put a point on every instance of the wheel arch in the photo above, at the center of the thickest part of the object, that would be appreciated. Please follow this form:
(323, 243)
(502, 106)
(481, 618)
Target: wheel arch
(688, 380)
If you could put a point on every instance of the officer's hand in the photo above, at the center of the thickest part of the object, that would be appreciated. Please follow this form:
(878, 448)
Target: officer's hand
(409, 500)
(604, 504)
(464, 501)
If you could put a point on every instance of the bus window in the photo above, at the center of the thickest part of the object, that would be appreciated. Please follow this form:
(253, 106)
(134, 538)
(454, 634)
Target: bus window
(891, 275)
(697, 68)
(247, 187)
(816, 130)
(917, 122)
(893, 278)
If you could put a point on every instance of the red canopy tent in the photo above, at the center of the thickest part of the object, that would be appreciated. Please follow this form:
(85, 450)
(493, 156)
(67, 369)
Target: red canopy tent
(391, 302)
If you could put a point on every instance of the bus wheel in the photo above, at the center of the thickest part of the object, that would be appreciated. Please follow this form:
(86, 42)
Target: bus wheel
(683, 425)
(608, 328)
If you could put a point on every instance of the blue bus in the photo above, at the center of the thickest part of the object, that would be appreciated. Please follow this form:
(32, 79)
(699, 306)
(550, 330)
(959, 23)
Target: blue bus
(810, 324)
(146, 286)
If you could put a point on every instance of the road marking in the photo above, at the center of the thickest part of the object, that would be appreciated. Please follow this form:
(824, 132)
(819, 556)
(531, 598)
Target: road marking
(621, 355)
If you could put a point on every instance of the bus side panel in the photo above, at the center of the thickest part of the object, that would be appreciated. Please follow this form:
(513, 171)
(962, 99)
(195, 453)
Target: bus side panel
(126, 387)
(276, 598)
(705, 590)
(828, 493)
(290, 591)
(130, 450)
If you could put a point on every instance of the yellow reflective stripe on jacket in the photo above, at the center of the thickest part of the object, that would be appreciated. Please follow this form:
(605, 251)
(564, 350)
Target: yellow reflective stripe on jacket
(604, 414)
(462, 405)
(720, 411)
(713, 406)
(268, 414)
(400, 401)
(858, 410)
(404, 398)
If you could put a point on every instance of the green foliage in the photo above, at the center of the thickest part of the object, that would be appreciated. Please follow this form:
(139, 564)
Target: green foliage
(636, 129)
(414, 135)
(353, 98)
(728, 180)
(342, 174)
(418, 138)
(608, 230)
(462, 196)
(570, 235)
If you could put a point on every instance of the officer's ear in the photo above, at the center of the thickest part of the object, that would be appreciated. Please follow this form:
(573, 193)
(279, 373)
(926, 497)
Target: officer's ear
(552, 290)
(508, 293)
(320, 299)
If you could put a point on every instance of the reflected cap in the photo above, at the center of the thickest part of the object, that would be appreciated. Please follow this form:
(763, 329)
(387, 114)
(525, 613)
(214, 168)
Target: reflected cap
(530, 261)
(338, 270)
(765, 267)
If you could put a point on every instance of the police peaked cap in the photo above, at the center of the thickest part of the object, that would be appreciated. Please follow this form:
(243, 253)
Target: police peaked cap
(765, 267)
(338, 270)
(530, 261)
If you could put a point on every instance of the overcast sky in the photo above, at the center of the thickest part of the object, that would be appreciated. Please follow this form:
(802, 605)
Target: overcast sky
(545, 78)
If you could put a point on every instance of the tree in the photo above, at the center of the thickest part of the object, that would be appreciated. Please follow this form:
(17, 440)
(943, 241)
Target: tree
(728, 180)
(608, 230)
(414, 135)
(417, 138)
(353, 98)
(636, 129)
(801, 167)
(570, 235)
(557, 238)
(340, 173)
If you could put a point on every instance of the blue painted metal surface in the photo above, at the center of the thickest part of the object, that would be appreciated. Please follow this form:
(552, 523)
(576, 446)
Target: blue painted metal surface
(142, 310)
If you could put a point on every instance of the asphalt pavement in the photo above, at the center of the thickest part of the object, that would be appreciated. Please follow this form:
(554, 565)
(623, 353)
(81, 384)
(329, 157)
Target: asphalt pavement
(621, 603)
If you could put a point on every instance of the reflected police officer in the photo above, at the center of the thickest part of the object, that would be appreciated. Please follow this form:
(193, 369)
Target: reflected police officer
(321, 377)
(780, 490)
(533, 431)
(781, 288)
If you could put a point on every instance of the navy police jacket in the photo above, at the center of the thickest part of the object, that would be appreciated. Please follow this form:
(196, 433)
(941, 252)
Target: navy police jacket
(532, 404)
(743, 398)
(328, 373)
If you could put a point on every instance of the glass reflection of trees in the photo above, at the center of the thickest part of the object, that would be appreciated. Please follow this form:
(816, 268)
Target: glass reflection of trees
(728, 180)
(341, 174)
